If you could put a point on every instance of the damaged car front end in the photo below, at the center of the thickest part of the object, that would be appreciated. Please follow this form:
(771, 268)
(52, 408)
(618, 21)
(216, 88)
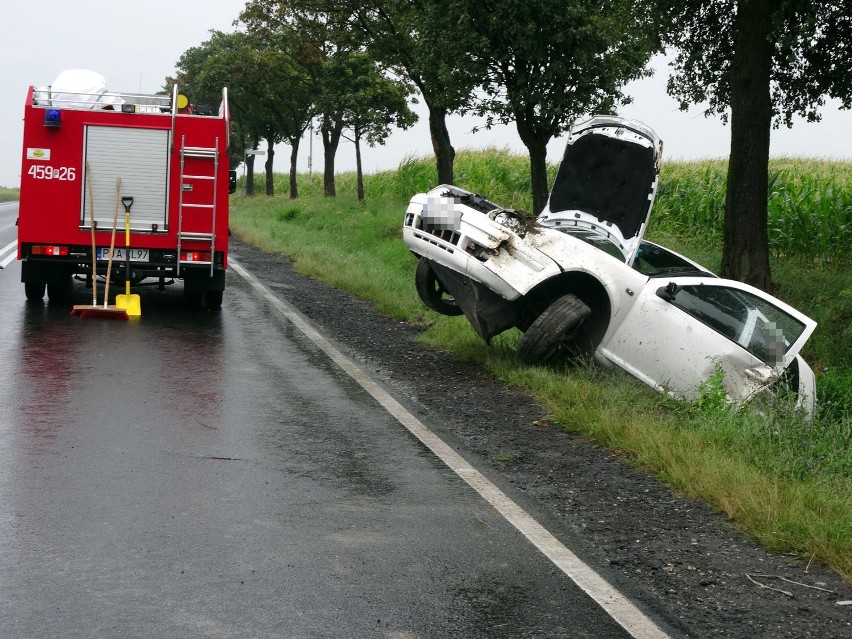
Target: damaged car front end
(580, 278)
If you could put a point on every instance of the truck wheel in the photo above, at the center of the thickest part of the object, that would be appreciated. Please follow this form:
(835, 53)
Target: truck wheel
(62, 290)
(432, 292)
(34, 291)
(213, 300)
(558, 324)
(192, 296)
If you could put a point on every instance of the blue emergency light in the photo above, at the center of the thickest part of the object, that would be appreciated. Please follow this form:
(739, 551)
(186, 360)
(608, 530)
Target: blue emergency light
(51, 117)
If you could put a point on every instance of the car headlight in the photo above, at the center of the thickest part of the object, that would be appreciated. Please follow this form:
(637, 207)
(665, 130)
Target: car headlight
(518, 222)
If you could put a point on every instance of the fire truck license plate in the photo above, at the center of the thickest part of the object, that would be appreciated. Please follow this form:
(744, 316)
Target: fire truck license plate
(136, 255)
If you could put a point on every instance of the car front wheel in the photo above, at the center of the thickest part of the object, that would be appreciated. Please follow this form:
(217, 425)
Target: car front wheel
(432, 292)
(558, 324)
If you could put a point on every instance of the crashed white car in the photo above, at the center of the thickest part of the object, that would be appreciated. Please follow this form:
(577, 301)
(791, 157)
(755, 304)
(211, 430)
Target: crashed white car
(580, 278)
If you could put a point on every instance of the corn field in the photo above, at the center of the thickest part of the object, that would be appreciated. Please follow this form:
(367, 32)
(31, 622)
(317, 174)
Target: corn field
(809, 206)
(809, 202)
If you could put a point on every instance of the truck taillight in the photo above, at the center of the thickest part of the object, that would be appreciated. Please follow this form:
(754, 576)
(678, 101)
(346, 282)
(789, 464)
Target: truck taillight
(194, 256)
(49, 250)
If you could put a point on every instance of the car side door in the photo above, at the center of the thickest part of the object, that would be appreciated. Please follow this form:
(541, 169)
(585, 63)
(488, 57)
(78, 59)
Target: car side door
(680, 329)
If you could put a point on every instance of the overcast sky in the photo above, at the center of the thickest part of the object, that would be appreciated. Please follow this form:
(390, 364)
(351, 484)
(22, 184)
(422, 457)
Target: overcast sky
(135, 45)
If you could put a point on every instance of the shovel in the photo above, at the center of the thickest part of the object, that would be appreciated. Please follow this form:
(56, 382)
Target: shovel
(128, 302)
(105, 311)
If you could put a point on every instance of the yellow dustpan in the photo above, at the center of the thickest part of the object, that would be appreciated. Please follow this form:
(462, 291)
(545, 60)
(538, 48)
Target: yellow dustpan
(130, 303)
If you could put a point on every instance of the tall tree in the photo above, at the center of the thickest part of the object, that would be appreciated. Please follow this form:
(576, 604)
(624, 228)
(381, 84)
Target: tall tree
(303, 28)
(321, 38)
(550, 62)
(419, 42)
(371, 103)
(270, 98)
(758, 64)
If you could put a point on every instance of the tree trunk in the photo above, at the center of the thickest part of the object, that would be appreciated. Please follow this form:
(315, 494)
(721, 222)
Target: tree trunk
(330, 140)
(359, 174)
(250, 175)
(745, 252)
(536, 143)
(294, 155)
(445, 154)
(270, 156)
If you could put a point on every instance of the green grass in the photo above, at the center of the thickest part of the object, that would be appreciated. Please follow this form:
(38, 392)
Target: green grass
(785, 481)
(8, 195)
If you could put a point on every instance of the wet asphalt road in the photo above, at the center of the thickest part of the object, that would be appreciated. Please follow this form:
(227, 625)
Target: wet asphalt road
(197, 474)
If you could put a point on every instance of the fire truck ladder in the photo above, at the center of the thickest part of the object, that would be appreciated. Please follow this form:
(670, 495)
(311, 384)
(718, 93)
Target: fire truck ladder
(211, 153)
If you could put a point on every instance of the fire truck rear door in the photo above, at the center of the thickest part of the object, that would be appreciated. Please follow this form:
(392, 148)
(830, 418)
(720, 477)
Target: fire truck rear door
(140, 157)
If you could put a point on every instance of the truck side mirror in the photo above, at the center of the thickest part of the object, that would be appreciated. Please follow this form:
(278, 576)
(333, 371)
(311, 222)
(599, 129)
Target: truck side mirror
(232, 181)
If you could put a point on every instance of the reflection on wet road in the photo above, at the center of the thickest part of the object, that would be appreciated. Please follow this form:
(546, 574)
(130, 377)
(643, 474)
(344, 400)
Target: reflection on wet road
(196, 474)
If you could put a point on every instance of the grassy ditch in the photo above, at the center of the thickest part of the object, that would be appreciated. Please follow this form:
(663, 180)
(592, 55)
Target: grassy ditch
(786, 482)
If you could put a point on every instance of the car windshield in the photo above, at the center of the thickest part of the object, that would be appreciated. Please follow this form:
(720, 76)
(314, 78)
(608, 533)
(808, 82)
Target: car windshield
(653, 260)
(595, 239)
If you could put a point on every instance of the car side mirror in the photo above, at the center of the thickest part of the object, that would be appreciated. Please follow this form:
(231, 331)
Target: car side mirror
(232, 181)
(668, 292)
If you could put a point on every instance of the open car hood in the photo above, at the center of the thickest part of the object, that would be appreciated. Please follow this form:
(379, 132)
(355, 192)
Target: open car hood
(607, 181)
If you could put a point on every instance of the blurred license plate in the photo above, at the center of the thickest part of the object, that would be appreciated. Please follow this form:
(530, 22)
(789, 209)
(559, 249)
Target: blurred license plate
(136, 255)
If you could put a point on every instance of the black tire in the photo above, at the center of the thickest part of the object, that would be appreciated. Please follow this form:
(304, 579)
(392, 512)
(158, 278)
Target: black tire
(62, 290)
(34, 291)
(559, 324)
(432, 292)
(192, 297)
(213, 300)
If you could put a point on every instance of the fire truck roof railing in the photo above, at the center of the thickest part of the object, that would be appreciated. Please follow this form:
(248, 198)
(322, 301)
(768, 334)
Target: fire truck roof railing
(86, 101)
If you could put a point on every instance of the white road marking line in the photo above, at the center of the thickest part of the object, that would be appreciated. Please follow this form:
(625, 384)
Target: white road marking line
(616, 605)
(11, 256)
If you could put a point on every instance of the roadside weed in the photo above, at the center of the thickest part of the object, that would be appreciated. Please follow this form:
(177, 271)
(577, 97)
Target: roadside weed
(9, 195)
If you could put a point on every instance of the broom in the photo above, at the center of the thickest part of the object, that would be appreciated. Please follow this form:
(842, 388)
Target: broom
(94, 310)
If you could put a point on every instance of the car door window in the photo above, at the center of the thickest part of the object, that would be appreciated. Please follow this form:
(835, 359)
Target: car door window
(763, 329)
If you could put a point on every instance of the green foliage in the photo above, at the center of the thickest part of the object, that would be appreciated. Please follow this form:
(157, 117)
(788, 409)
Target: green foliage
(782, 478)
(809, 206)
(420, 41)
(548, 63)
(759, 63)
(289, 213)
(810, 214)
(269, 92)
(691, 199)
(372, 102)
(712, 395)
(813, 34)
(9, 195)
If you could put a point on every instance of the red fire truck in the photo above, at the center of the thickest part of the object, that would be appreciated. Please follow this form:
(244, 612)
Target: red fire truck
(90, 157)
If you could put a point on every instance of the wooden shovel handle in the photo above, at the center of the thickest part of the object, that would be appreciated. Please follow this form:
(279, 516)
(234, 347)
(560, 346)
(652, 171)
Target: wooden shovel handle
(112, 241)
(94, 244)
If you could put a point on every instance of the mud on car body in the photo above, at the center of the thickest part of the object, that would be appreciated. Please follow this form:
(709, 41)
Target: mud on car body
(580, 278)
